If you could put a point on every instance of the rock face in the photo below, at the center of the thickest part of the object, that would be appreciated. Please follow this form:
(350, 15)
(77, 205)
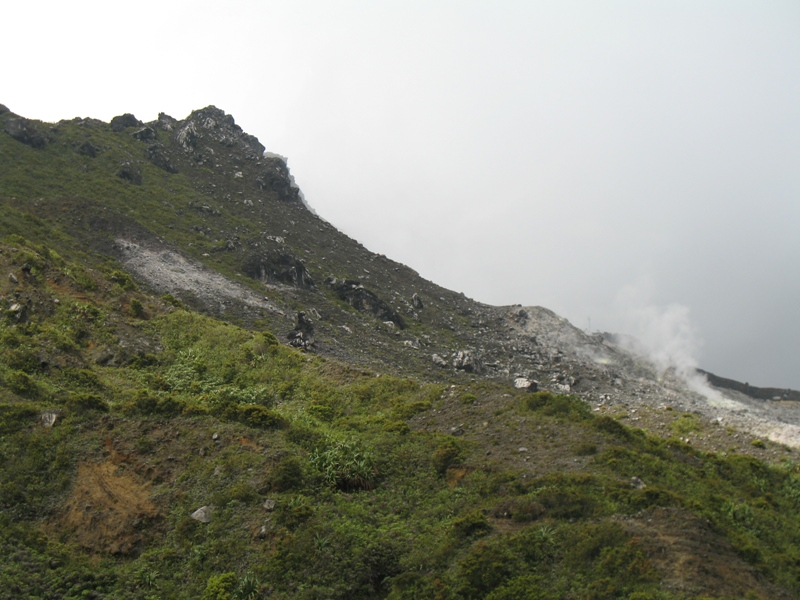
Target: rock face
(360, 298)
(121, 122)
(25, 131)
(213, 123)
(275, 177)
(277, 265)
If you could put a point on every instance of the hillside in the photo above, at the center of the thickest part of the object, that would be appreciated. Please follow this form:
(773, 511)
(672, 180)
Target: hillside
(179, 331)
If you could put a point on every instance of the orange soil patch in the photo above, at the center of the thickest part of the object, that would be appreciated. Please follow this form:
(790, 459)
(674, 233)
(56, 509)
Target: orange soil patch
(109, 510)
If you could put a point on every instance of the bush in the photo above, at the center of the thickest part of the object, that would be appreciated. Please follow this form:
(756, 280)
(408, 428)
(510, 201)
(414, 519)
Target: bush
(565, 407)
(447, 455)
(471, 523)
(260, 417)
(86, 402)
(21, 383)
(220, 587)
(346, 466)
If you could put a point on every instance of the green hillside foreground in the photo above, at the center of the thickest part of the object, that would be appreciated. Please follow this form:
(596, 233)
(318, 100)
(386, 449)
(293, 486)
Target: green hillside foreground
(122, 413)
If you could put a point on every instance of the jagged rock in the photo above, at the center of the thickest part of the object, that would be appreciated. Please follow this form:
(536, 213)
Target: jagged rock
(25, 131)
(3, 109)
(145, 134)
(165, 122)
(275, 177)
(130, 172)
(638, 483)
(88, 149)
(416, 302)
(122, 122)
(13, 278)
(187, 136)
(438, 361)
(523, 383)
(465, 360)
(203, 514)
(356, 295)
(302, 336)
(278, 265)
(269, 504)
(157, 155)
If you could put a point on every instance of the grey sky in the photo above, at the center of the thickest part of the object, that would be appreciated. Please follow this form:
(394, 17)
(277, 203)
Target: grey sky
(582, 156)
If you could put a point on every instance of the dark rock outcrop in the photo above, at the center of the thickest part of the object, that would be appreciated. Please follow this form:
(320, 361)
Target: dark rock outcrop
(121, 122)
(3, 109)
(145, 134)
(25, 131)
(302, 336)
(275, 177)
(157, 154)
(130, 172)
(360, 298)
(88, 149)
(278, 265)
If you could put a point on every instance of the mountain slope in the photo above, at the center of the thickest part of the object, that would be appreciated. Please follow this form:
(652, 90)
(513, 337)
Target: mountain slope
(389, 455)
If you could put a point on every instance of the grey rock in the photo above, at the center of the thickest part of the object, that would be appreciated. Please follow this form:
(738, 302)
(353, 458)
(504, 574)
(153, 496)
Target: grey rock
(269, 504)
(157, 155)
(48, 418)
(438, 361)
(302, 336)
(25, 131)
(638, 483)
(417, 302)
(465, 360)
(13, 278)
(203, 514)
(523, 383)
(145, 134)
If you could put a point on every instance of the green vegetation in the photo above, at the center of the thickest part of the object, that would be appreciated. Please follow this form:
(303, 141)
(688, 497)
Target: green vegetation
(122, 413)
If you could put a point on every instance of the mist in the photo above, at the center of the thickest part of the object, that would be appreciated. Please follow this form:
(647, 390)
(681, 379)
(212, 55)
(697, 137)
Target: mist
(520, 152)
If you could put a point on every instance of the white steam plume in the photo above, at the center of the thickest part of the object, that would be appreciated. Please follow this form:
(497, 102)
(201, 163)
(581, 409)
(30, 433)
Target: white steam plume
(663, 335)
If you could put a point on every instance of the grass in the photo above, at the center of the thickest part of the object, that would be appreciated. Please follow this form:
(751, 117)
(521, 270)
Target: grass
(157, 403)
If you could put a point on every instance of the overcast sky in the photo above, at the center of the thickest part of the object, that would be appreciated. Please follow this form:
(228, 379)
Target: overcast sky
(632, 165)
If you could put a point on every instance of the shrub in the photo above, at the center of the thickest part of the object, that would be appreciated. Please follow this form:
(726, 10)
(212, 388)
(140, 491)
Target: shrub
(136, 308)
(612, 426)
(21, 383)
(86, 402)
(447, 455)
(260, 417)
(287, 474)
(346, 465)
(220, 587)
(565, 407)
(471, 523)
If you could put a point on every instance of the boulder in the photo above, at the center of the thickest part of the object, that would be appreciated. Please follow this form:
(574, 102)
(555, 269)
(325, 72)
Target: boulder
(438, 361)
(523, 383)
(25, 131)
(145, 134)
(121, 122)
(130, 172)
(416, 302)
(465, 360)
(203, 514)
(302, 336)
(88, 149)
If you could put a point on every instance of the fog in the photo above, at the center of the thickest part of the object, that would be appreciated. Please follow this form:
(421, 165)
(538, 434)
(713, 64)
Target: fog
(543, 153)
